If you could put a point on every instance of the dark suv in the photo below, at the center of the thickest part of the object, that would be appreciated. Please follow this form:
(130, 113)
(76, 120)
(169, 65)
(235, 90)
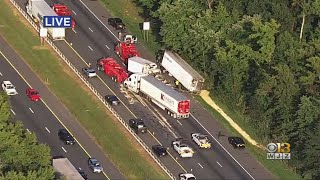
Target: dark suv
(65, 136)
(138, 125)
(159, 150)
(116, 23)
(112, 100)
(236, 142)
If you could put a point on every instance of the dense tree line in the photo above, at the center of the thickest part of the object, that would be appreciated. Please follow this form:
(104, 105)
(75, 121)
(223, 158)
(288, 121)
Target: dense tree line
(261, 57)
(21, 157)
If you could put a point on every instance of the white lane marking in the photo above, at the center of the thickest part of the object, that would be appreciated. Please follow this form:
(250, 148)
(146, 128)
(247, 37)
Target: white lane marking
(74, 31)
(200, 165)
(219, 164)
(90, 48)
(162, 123)
(12, 112)
(107, 46)
(90, 29)
(31, 110)
(179, 122)
(28, 131)
(222, 147)
(98, 19)
(74, 12)
(1, 74)
(47, 129)
(63, 149)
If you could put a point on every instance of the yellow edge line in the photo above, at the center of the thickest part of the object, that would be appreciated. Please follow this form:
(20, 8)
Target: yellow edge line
(122, 102)
(50, 109)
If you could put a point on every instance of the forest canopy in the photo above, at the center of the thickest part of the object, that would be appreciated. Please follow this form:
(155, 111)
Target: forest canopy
(261, 57)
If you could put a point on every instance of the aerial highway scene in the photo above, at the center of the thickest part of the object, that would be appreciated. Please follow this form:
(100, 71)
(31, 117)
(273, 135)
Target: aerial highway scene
(149, 89)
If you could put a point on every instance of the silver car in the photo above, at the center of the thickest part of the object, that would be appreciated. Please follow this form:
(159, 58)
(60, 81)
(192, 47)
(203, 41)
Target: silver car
(89, 72)
(94, 165)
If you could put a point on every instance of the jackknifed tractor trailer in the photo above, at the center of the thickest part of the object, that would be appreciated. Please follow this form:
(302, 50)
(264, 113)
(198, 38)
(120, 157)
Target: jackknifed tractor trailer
(37, 9)
(174, 103)
(182, 71)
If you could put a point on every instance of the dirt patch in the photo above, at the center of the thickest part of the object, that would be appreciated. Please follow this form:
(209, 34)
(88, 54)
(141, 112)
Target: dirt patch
(205, 96)
(39, 47)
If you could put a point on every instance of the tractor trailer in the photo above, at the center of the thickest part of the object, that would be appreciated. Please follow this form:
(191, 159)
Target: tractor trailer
(140, 65)
(39, 8)
(182, 71)
(174, 103)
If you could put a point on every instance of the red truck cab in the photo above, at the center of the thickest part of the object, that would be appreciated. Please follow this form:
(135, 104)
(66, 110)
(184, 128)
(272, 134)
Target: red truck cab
(126, 49)
(33, 94)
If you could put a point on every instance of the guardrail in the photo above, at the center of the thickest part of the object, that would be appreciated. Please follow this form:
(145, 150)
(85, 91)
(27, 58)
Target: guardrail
(29, 19)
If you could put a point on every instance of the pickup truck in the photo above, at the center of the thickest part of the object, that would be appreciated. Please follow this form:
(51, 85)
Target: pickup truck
(138, 125)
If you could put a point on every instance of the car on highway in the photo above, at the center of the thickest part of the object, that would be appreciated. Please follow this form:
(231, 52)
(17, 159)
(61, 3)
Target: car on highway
(201, 140)
(9, 88)
(112, 100)
(159, 150)
(236, 142)
(94, 165)
(182, 148)
(89, 72)
(138, 125)
(83, 174)
(116, 23)
(33, 94)
(187, 176)
(65, 136)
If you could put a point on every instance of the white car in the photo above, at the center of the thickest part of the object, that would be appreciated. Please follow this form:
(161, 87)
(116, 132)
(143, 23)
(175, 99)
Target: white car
(8, 88)
(187, 176)
(182, 148)
(201, 140)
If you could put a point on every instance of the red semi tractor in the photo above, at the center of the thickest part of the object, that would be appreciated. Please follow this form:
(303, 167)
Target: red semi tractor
(112, 69)
(62, 10)
(126, 49)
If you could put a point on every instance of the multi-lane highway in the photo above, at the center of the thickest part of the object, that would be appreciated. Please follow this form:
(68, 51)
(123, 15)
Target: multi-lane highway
(44, 121)
(91, 40)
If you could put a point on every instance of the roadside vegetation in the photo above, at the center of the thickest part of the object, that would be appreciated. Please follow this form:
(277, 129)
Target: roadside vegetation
(108, 133)
(261, 63)
(21, 157)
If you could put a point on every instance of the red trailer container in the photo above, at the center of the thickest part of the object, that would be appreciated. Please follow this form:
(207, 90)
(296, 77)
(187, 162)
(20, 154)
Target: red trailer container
(112, 69)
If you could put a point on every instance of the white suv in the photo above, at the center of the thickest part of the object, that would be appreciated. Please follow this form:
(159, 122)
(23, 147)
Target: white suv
(8, 88)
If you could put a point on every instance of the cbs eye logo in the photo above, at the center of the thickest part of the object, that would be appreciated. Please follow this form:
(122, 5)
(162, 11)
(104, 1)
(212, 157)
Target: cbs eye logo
(279, 148)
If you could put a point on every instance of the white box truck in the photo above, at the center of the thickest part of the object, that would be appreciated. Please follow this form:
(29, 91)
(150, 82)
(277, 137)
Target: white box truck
(160, 94)
(182, 71)
(140, 65)
(64, 169)
(39, 8)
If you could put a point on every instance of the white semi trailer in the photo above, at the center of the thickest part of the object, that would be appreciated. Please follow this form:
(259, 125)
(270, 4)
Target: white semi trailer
(182, 71)
(160, 94)
(39, 8)
(140, 65)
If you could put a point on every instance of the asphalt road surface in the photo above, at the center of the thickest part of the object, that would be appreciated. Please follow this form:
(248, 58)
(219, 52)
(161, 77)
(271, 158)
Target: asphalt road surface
(91, 40)
(45, 118)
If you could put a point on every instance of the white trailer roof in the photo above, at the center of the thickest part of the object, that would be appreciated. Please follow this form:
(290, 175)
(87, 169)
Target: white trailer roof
(65, 168)
(43, 7)
(140, 60)
(165, 88)
(184, 65)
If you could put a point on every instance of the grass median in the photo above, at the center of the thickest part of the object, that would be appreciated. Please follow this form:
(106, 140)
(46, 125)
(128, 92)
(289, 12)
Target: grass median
(106, 131)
